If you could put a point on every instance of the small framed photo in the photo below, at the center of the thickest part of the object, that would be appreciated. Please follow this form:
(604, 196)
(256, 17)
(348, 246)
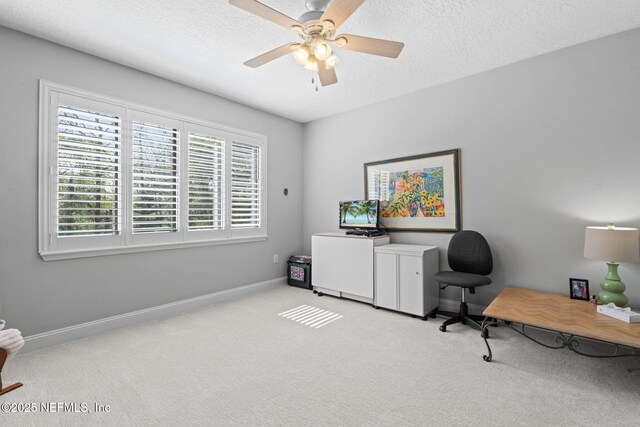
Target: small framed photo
(579, 289)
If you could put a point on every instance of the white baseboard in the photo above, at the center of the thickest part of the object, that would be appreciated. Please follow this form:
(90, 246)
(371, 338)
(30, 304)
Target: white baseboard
(70, 333)
(454, 306)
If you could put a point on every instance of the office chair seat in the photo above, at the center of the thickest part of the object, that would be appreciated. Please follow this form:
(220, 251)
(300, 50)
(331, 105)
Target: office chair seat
(469, 257)
(463, 280)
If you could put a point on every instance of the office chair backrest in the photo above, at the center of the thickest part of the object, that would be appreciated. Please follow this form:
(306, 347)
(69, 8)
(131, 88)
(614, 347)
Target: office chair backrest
(469, 252)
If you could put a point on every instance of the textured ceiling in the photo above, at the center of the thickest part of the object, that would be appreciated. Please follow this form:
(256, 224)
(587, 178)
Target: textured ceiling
(203, 43)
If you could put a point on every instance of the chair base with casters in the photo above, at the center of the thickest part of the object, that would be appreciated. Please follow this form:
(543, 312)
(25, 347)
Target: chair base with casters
(463, 316)
(471, 262)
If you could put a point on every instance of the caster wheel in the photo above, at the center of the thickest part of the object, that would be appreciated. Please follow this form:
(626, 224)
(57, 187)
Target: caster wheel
(443, 329)
(315, 292)
(432, 315)
(320, 294)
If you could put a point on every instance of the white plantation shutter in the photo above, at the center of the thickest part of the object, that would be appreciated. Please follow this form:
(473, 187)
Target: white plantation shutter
(246, 185)
(88, 172)
(206, 182)
(117, 177)
(155, 183)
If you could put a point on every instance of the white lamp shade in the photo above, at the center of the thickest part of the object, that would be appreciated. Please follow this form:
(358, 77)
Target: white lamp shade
(332, 61)
(301, 55)
(322, 51)
(312, 63)
(615, 244)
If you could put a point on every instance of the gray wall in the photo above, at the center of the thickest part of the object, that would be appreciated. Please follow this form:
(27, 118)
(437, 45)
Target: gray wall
(38, 296)
(548, 146)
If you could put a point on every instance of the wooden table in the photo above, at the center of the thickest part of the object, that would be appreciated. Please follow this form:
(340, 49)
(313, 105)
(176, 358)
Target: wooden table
(570, 319)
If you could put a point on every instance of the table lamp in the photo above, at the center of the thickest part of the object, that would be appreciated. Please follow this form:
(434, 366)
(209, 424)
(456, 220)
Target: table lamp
(612, 244)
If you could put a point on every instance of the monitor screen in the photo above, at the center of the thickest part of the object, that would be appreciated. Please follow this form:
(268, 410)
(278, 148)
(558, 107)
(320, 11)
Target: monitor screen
(359, 214)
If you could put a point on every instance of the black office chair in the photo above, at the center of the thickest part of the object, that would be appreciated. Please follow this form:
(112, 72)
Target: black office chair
(470, 259)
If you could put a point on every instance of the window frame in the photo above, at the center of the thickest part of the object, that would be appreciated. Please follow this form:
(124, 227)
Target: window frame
(137, 239)
(239, 232)
(51, 247)
(204, 235)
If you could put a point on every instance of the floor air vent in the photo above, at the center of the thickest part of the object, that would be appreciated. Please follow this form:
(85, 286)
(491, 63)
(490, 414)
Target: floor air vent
(311, 316)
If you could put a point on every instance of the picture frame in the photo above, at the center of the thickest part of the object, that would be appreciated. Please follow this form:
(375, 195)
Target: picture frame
(579, 289)
(418, 193)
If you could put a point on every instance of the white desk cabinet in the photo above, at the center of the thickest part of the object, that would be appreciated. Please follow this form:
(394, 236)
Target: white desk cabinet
(343, 265)
(404, 278)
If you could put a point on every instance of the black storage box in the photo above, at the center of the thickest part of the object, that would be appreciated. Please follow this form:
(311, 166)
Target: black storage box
(299, 271)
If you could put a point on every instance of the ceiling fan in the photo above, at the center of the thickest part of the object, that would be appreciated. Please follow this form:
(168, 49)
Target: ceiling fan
(317, 29)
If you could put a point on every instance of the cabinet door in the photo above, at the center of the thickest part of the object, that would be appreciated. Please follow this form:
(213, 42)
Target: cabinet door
(343, 264)
(385, 280)
(411, 286)
(356, 261)
(322, 261)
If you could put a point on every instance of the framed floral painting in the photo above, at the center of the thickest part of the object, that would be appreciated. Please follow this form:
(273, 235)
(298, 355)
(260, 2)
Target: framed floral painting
(417, 193)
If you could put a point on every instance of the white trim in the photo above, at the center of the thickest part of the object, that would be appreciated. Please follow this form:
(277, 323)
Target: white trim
(454, 306)
(70, 333)
(88, 253)
(44, 168)
(261, 144)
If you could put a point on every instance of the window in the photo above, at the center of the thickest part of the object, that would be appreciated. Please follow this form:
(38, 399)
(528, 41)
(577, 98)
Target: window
(88, 171)
(117, 177)
(154, 179)
(206, 182)
(245, 186)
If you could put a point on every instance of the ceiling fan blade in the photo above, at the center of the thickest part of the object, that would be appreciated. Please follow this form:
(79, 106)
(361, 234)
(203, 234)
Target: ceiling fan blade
(339, 11)
(271, 55)
(264, 11)
(369, 45)
(327, 77)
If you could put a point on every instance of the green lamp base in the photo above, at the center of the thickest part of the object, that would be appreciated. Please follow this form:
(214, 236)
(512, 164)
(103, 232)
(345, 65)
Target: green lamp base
(613, 287)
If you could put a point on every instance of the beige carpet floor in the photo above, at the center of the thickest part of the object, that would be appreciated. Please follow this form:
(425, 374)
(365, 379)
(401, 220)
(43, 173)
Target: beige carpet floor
(239, 363)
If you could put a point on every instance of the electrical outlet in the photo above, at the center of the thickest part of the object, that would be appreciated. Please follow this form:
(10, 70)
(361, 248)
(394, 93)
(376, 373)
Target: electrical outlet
(275, 259)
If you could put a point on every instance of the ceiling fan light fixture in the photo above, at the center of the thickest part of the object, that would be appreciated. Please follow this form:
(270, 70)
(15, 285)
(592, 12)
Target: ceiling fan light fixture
(301, 55)
(312, 64)
(317, 28)
(331, 61)
(322, 51)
